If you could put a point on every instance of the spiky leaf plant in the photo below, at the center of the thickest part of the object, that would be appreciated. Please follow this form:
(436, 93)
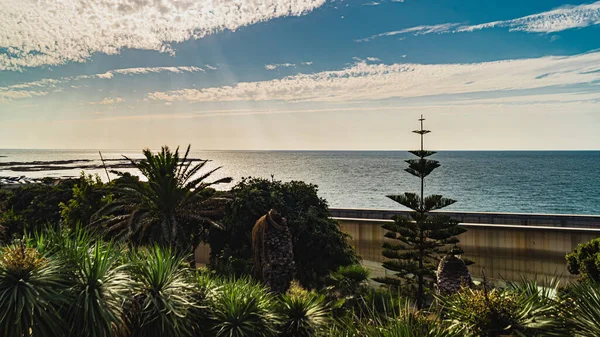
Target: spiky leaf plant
(32, 289)
(100, 291)
(173, 208)
(302, 316)
(523, 308)
(163, 297)
(348, 283)
(405, 321)
(243, 308)
(582, 308)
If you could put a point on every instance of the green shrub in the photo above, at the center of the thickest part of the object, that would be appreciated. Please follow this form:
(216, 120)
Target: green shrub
(406, 322)
(523, 308)
(32, 289)
(319, 245)
(89, 196)
(585, 260)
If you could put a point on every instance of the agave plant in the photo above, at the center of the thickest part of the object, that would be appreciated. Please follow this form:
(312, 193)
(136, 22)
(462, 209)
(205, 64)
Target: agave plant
(99, 293)
(242, 308)
(32, 289)
(163, 297)
(171, 209)
(303, 316)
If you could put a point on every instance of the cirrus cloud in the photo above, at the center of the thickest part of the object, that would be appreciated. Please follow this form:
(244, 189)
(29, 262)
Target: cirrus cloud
(556, 20)
(366, 82)
(34, 88)
(45, 32)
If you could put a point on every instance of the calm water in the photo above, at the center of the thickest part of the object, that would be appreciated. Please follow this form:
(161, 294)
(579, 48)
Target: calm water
(487, 181)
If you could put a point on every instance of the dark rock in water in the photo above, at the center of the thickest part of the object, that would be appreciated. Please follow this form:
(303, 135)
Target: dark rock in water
(452, 274)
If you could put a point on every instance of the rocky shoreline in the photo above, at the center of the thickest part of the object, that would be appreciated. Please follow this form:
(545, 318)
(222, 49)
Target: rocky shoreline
(60, 165)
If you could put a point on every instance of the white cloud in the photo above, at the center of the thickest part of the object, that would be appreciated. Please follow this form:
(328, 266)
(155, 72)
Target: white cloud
(138, 71)
(281, 65)
(24, 90)
(556, 20)
(372, 3)
(418, 30)
(9, 95)
(48, 32)
(108, 101)
(373, 59)
(369, 82)
(307, 63)
(559, 19)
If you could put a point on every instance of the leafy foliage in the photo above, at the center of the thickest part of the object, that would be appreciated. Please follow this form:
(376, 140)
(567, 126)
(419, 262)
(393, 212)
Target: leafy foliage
(319, 245)
(585, 260)
(523, 308)
(89, 196)
(34, 206)
(348, 284)
(421, 237)
(173, 208)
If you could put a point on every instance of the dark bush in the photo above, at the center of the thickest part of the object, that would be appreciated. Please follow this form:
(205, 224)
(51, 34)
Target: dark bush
(319, 245)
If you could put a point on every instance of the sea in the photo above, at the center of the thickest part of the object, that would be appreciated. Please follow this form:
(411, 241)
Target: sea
(552, 182)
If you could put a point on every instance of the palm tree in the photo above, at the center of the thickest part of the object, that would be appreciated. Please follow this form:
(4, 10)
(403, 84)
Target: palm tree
(173, 208)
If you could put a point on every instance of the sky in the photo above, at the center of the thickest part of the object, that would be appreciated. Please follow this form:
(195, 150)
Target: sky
(299, 74)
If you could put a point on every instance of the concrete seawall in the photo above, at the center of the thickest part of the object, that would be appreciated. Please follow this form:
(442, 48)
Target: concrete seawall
(508, 246)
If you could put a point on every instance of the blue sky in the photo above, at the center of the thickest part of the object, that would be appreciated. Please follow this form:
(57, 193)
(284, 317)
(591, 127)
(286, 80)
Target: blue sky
(299, 74)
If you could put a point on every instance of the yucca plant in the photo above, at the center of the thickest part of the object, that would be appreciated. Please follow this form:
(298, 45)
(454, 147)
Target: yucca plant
(32, 289)
(582, 308)
(101, 288)
(303, 315)
(242, 308)
(163, 297)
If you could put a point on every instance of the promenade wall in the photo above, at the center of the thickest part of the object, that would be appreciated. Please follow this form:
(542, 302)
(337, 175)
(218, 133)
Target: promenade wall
(503, 245)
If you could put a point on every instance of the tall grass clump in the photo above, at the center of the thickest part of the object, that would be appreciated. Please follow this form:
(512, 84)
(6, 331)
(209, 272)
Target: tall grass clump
(32, 289)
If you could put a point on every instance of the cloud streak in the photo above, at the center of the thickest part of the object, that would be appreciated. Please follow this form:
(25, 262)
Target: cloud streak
(556, 20)
(108, 101)
(45, 86)
(45, 32)
(281, 65)
(363, 82)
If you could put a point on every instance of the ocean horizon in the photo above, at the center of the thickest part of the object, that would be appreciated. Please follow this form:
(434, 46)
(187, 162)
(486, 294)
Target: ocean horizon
(515, 181)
